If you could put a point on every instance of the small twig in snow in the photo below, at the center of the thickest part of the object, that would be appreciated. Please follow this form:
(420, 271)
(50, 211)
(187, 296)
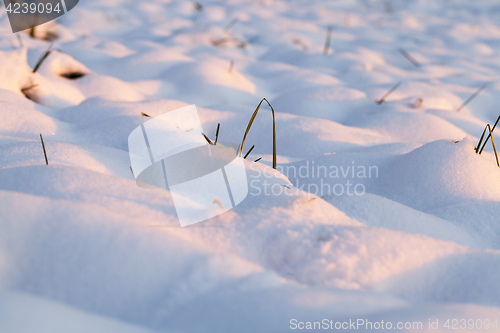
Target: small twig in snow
(382, 100)
(328, 39)
(472, 97)
(217, 133)
(248, 153)
(206, 138)
(44, 152)
(409, 57)
(42, 58)
(231, 24)
(132, 172)
(29, 88)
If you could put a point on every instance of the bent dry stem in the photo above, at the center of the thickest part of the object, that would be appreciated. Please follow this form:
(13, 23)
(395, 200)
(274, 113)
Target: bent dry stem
(490, 135)
(250, 125)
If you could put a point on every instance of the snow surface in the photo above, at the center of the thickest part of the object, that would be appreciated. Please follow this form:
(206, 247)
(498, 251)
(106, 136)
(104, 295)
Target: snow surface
(84, 249)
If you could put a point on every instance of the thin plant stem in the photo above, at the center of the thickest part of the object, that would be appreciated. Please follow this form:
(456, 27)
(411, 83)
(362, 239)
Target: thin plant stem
(248, 152)
(44, 151)
(328, 40)
(217, 133)
(464, 104)
(489, 135)
(408, 57)
(250, 125)
(382, 100)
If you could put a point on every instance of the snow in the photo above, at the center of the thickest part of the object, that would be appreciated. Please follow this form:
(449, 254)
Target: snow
(25, 313)
(414, 236)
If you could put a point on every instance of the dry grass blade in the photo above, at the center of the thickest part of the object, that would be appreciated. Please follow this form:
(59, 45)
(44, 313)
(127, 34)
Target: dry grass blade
(145, 115)
(107, 15)
(50, 36)
(206, 138)
(490, 135)
(493, 143)
(42, 58)
(44, 152)
(479, 151)
(409, 57)
(220, 41)
(274, 129)
(382, 100)
(231, 24)
(132, 172)
(198, 6)
(29, 88)
(464, 104)
(217, 133)
(248, 152)
(258, 159)
(298, 41)
(328, 40)
(247, 42)
(479, 143)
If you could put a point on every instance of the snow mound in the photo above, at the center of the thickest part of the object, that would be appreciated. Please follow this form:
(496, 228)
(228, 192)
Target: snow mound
(377, 211)
(25, 313)
(15, 73)
(440, 173)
